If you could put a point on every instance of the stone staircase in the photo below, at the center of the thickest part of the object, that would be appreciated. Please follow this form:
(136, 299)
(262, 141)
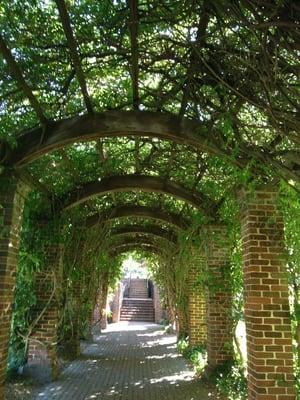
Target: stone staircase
(137, 307)
(138, 289)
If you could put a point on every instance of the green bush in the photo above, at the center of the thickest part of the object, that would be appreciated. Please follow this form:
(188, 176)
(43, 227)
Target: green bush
(197, 355)
(232, 383)
(298, 382)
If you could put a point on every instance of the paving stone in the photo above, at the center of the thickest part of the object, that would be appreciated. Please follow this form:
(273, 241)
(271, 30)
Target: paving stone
(128, 361)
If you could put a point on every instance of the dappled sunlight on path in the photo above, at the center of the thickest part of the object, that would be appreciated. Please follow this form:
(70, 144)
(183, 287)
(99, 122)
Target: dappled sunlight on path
(129, 361)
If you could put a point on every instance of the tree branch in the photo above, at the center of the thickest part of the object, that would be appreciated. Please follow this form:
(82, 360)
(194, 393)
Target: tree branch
(73, 47)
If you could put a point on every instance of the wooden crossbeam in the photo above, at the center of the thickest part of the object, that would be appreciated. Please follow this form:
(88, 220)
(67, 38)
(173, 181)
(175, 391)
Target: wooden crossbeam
(73, 47)
(18, 76)
(134, 211)
(133, 27)
(134, 182)
(148, 230)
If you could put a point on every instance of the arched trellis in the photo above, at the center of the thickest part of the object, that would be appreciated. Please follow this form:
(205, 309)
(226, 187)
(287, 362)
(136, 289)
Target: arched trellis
(124, 248)
(143, 183)
(143, 238)
(152, 230)
(54, 135)
(137, 212)
(260, 330)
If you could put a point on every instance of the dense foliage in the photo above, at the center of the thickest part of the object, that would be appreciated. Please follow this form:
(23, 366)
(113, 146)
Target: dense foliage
(230, 66)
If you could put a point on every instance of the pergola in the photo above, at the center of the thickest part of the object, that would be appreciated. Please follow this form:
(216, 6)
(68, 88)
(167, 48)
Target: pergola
(143, 117)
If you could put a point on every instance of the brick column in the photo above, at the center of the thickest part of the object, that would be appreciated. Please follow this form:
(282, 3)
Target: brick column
(12, 195)
(158, 311)
(42, 349)
(196, 309)
(268, 323)
(219, 300)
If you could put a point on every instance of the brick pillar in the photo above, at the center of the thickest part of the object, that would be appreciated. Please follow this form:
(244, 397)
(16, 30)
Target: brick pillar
(42, 349)
(117, 302)
(158, 311)
(196, 309)
(12, 195)
(268, 322)
(219, 300)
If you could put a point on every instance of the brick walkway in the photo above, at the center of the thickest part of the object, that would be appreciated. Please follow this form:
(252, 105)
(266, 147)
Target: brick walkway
(132, 361)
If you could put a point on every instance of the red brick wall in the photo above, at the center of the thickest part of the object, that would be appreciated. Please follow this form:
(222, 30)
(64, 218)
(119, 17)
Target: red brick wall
(196, 308)
(219, 320)
(268, 326)
(12, 195)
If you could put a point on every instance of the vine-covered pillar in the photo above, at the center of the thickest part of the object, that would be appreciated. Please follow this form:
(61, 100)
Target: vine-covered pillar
(12, 196)
(117, 302)
(42, 348)
(219, 298)
(182, 327)
(196, 308)
(158, 310)
(73, 342)
(268, 322)
(104, 283)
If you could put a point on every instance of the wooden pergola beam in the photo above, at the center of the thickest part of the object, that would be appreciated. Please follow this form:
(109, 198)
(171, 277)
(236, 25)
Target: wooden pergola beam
(37, 142)
(142, 238)
(73, 47)
(124, 248)
(134, 211)
(116, 242)
(144, 183)
(133, 28)
(23, 85)
(150, 230)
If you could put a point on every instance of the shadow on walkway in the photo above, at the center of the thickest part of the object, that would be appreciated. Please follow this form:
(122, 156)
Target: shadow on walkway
(129, 361)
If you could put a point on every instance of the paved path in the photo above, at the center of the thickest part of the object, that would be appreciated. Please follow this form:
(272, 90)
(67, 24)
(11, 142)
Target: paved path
(128, 361)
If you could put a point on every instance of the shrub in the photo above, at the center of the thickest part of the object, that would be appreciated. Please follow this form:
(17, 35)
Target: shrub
(197, 355)
(232, 383)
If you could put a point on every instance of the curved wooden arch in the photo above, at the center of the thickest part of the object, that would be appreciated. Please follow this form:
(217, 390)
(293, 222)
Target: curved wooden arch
(139, 237)
(152, 230)
(119, 240)
(130, 247)
(145, 183)
(37, 142)
(136, 211)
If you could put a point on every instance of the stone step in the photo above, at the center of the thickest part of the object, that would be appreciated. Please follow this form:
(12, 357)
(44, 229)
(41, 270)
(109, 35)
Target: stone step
(137, 308)
(137, 305)
(141, 319)
(135, 292)
(137, 300)
(137, 313)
